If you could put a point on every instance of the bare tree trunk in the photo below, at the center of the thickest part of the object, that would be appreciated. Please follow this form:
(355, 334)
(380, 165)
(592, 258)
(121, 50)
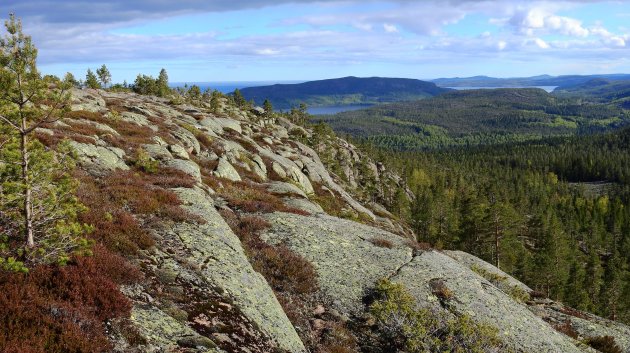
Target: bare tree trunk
(28, 202)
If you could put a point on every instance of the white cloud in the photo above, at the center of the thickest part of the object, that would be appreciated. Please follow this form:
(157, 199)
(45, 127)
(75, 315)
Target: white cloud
(541, 43)
(267, 51)
(390, 28)
(538, 20)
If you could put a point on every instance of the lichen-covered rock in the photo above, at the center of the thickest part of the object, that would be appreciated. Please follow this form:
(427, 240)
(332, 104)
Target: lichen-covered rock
(189, 167)
(304, 205)
(186, 138)
(99, 160)
(157, 152)
(226, 170)
(282, 188)
(477, 297)
(162, 332)
(88, 100)
(343, 253)
(178, 152)
(135, 118)
(222, 260)
(584, 324)
(479, 265)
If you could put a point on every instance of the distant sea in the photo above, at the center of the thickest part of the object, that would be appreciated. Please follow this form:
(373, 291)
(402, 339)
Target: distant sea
(546, 88)
(230, 86)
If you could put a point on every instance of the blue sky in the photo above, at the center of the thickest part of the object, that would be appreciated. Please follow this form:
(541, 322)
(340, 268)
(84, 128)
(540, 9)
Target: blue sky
(262, 40)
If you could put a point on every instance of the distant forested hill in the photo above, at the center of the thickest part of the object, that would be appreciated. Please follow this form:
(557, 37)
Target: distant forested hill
(477, 117)
(599, 89)
(542, 80)
(343, 91)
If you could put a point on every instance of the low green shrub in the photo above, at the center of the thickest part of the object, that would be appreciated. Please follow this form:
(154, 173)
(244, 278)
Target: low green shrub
(403, 326)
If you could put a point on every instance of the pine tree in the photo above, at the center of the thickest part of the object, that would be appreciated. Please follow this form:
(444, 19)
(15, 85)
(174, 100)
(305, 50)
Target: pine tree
(104, 75)
(612, 287)
(574, 294)
(91, 81)
(162, 84)
(268, 108)
(239, 100)
(36, 190)
(215, 101)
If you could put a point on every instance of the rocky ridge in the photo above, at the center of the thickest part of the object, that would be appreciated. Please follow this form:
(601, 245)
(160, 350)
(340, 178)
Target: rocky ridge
(201, 292)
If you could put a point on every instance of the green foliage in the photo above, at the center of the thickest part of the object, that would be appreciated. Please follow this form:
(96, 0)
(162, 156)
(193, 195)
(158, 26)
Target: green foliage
(38, 209)
(268, 107)
(405, 326)
(91, 81)
(568, 241)
(477, 117)
(104, 76)
(343, 91)
(147, 85)
(238, 98)
(55, 208)
(143, 161)
(215, 101)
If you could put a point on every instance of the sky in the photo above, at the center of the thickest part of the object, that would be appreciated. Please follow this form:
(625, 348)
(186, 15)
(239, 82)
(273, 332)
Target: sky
(284, 40)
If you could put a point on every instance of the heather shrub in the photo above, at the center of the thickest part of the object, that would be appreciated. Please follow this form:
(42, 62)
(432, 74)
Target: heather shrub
(251, 198)
(382, 243)
(62, 309)
(285, 270)
(604, 344)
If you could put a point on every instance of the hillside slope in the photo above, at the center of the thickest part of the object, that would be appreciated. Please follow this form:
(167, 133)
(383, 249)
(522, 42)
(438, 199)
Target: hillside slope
(343, 91)
(475, 117)
(271, 249)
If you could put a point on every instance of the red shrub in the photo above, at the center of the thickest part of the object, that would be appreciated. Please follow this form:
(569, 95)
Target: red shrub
(62, 309)
(382, 243)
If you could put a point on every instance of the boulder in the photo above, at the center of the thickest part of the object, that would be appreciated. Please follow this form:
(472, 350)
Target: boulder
(187, 138)
(87, 99)
(189, 167)
(135, 118)
(157, 152)
(226, 170)
(282, 188)
(179, 152)
(98, 160)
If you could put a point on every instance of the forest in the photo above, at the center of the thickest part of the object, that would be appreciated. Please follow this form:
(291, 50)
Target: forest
(554, 213)
(477, 117)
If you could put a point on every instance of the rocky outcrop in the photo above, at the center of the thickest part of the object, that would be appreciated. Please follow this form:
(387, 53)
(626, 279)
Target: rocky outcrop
(201, 292)
(343, 253)
(99, 160)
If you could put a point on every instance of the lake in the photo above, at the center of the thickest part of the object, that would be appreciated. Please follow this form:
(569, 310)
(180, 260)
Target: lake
(549, 89)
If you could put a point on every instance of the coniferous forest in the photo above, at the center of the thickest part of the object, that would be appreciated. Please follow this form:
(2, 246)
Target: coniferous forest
(555, 213)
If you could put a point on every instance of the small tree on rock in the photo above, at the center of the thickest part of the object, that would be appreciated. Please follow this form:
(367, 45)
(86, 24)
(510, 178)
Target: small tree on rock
(91, 81)
(104, 75)
(36, 189)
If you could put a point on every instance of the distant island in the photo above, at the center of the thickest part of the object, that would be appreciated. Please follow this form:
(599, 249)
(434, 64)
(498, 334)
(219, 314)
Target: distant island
(343, 91)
